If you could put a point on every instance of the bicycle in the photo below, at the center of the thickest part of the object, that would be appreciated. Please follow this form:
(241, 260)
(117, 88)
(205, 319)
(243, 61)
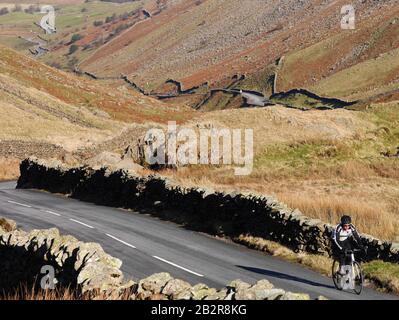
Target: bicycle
(354, 278)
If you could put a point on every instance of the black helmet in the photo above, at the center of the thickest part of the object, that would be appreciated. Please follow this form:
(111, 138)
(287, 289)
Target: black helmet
(346, 219)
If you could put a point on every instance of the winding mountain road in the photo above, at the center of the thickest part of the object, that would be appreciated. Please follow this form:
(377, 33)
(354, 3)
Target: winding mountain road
(147, 245)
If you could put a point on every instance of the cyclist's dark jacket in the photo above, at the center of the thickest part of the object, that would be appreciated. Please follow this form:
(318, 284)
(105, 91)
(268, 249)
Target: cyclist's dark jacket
(343, 239)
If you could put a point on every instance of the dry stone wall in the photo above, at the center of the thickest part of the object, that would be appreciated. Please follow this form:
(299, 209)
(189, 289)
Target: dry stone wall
(224, 213)
(77, 265)
(87, 269)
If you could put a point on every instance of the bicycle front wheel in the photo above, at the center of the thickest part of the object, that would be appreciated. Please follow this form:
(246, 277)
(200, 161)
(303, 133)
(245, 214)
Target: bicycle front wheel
(335, 275)
(358, 278)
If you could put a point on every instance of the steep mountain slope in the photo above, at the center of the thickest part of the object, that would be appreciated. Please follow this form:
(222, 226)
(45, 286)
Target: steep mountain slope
(223, 43)
(47, 112)
(350, 65)
(212, 40)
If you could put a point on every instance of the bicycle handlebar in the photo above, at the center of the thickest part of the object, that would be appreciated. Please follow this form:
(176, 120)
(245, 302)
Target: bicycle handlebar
(352, 251)
(356, 250)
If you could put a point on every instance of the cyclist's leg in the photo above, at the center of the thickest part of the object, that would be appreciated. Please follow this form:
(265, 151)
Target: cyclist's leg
(344, 259)
(341, 259)
(337, 256)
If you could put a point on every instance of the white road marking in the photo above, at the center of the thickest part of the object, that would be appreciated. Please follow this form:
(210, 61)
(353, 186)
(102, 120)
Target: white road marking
(177, 266)
(121, 241)
(83, 224)
(53, 213)
(19, 204)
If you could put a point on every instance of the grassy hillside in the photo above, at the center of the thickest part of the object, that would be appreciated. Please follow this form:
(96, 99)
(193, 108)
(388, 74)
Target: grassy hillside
(72, 18)
(16, 43)
(213, 40)
(350, 65)
(363, 80)
(49, 113)
(323, 162)
(120, 103)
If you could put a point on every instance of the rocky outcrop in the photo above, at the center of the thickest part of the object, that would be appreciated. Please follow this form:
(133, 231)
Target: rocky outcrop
(86, 268)
(222, 213)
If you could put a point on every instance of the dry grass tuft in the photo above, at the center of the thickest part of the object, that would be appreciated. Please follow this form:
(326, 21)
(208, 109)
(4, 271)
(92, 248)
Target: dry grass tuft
(31, 293)
(369, 216)
(323, 163)
(372, 200)
(384, 274)
(25, 292)
(9, 169)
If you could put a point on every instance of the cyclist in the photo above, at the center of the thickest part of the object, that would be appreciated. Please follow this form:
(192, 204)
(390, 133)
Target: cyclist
(345, 238)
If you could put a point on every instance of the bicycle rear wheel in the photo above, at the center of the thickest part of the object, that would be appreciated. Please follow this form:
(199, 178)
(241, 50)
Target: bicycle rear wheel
(358, 278)
(335, 275)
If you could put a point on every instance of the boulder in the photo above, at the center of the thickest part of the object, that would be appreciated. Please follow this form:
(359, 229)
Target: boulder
(294, 296)
(272, 294)
(201, 291)
(259, 291)
(218, 295)
(177, 289)
(239, 285)
(394, 249)
(154, 283)
(96, 275)
(7, 225)
(241, 290)
(262, 285)
(182, 295)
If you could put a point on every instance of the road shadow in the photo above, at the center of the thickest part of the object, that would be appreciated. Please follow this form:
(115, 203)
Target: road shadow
(284, 276)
